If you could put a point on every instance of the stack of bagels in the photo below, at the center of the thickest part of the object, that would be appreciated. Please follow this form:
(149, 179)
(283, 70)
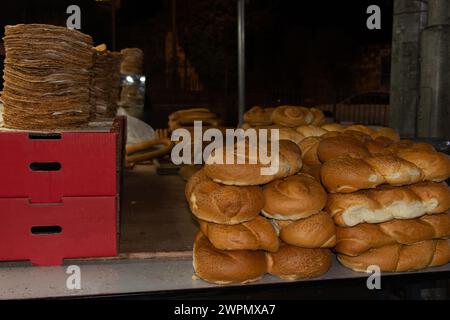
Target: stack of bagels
(387, 198)
(252, 224)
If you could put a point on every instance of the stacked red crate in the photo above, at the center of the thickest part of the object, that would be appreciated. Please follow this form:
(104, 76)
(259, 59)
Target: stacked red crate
(58, 195)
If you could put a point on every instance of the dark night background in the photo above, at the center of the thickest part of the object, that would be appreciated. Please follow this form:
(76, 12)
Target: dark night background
(299, 52)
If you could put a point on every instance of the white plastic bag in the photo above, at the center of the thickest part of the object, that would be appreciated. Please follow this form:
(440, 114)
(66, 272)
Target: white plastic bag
(137, 130)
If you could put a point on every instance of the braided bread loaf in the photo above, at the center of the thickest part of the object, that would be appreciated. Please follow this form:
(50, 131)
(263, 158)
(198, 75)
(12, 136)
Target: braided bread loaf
(400, 258)
(384, 204)
(357, 240)
(405, 166)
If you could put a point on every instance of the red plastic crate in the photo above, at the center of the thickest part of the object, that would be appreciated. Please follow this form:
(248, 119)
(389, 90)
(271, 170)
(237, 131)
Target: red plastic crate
(81, 164)
(48, 233)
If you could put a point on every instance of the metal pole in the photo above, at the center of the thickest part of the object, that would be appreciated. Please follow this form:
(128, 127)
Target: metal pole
(174, 46)
(241, 60)
(434, 107)
(409, 20)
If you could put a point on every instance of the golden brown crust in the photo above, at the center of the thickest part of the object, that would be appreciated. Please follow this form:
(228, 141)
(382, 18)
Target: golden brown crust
(293, 263)
(384, 204)
(256, 234)
(356, 240)
(319, 117)
(292, 116)
(348, 174)
(312, 170)
(293, 198)
(290, 134)
(258, 116)
(250, 174)
(316, 231)
(334, 147)
(400, 258)
(225, 267)
(308, 147)
(333, 127)
(311, 131)
(217, 203)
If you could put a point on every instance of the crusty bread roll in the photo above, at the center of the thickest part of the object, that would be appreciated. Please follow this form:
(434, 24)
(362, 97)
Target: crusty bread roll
(312, 170)
(384, 204)
(292, 116)
(225, 267)
(375, 133)
(400, 258)
(293, 198)
(217, 203)
(308, 147)
(319, 117)
(357, 240)
(290, 134)
(361, 128)
(408, 166)
(250, 174)
(256, 234)
(344, 145)
(186, 118)
(192, 113)
(333, 127)
(293, 263)
(379, 145)
(387, 133)
(258, 116)
(316, 231)
(311, 131)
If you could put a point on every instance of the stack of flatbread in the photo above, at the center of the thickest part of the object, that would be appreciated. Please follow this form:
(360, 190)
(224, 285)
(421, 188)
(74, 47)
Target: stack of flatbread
(133, 59)
(46, 77)
(105, 84)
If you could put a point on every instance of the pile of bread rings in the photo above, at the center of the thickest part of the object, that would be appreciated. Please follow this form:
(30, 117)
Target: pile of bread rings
(360, 192)
(252, 224)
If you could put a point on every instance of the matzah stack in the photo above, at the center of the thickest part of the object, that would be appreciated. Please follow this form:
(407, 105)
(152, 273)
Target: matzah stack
(46, 77)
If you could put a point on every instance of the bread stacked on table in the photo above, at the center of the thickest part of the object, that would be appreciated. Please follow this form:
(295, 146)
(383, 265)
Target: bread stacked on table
(47, 77)
(133, 61)
(236, 244)
(282, 116)
(105, 84)
(185, 119)
(133, 92)
(388, 201)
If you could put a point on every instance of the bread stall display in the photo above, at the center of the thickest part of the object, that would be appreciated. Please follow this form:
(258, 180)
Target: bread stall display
(236, 208)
